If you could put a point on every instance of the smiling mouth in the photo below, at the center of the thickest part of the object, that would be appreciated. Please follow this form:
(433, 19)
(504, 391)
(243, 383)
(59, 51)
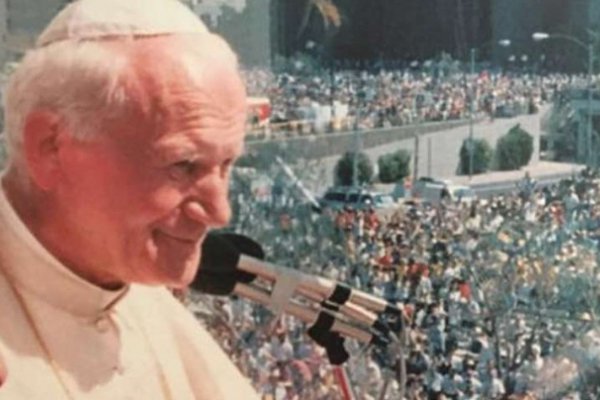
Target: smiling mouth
(180, 239)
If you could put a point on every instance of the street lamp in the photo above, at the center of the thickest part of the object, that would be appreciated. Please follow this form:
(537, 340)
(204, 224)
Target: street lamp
(503, 43)
(540, 36)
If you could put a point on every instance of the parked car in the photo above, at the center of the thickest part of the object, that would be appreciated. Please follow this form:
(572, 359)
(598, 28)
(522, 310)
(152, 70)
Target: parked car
(338, 197)
(398, 190)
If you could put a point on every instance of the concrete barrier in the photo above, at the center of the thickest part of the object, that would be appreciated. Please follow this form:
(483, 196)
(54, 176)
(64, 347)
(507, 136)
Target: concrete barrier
(333, 144)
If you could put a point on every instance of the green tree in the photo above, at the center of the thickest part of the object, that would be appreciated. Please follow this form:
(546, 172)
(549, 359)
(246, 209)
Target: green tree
(326, 9)
(482, 156)
(514, 149)
(394, 167)
(344, 169)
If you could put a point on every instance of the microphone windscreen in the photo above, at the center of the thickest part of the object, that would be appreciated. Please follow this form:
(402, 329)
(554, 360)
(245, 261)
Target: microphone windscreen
(218, 272)
(245, 245)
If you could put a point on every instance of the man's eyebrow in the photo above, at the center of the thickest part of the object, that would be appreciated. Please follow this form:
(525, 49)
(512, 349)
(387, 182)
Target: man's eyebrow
(169, 152)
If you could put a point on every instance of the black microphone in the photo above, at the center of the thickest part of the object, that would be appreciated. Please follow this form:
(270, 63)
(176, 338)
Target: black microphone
(219, 272)
(235, 258)
(231, 263)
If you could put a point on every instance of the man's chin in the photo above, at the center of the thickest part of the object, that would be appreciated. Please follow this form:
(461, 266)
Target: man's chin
(183, 281)
(179, 276)
(173, 269)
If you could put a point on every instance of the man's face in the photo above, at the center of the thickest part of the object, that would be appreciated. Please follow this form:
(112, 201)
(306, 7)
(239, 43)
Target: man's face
(138, 199)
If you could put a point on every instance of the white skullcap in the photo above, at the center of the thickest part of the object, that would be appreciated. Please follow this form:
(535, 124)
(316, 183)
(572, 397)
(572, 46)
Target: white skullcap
(96, 19)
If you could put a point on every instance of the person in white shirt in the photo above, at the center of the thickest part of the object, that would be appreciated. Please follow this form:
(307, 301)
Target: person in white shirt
(571, 201)
(122, 124)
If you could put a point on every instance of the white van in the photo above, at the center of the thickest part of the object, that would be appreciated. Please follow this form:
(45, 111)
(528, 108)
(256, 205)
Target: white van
(462, 193)
(431, 190)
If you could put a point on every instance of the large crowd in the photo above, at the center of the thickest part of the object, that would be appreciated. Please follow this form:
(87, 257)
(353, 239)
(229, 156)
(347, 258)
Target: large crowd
(340, 100)
(501, 294)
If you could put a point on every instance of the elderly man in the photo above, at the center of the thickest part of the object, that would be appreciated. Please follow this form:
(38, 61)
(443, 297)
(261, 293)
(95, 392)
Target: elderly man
(122, 125)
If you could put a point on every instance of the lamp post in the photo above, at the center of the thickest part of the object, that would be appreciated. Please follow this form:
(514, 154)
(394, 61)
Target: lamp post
(589, 47)
(473, 52)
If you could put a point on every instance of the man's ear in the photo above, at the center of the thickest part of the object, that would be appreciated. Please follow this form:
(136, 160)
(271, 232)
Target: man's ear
(42, 134)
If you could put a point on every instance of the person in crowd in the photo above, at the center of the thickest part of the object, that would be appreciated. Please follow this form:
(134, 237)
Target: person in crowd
(392, 96)
(444, 271)
(122, 124)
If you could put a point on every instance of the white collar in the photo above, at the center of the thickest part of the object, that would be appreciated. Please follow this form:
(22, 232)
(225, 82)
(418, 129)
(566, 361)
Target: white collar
(32, 269)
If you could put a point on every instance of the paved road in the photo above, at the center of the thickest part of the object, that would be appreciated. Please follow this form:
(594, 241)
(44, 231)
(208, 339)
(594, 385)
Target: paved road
(438, 151)
(544, 172)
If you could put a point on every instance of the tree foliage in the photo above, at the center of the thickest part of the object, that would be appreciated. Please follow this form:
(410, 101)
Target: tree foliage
(514, 149)
(328, 11)
(482, 156)
(344, 169)
(394, 167)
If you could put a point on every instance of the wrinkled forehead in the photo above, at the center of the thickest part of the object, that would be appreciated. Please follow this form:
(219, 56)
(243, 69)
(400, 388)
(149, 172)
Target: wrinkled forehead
(166, 56)
(169, 76)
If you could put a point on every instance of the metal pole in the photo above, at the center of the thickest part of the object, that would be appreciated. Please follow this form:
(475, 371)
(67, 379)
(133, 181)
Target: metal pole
(429, 156)
(471, 106)
(590, 158)
(416, 161)
(331, 75)
(355, 158)
(416, 152)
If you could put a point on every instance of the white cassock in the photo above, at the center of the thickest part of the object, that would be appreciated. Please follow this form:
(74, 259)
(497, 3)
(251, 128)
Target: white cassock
(64, 338)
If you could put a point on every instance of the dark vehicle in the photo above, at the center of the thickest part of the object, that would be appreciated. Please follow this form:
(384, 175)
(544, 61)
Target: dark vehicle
(337, 198)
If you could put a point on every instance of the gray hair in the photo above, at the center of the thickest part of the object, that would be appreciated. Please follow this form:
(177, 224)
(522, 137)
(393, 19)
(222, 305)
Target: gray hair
(89, 83)
(79, 80)
(79, 70)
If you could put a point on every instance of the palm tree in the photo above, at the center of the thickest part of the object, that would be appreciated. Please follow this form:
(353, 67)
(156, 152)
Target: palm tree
(326, 8)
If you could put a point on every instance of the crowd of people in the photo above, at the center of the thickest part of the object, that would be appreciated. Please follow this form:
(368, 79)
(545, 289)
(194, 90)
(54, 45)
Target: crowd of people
(497, 291)
(342, 100)
(117, 170)
(500, 294)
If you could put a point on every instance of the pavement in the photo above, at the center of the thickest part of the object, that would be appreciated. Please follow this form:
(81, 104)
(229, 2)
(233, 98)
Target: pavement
(540, 171)
(439, 151)
(438, 154)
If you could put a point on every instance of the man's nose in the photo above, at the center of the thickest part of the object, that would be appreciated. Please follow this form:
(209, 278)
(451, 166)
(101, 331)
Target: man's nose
(210, 203)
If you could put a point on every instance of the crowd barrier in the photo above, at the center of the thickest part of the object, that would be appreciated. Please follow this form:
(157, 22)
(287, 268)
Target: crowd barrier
(306, 127)
(317, 146)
